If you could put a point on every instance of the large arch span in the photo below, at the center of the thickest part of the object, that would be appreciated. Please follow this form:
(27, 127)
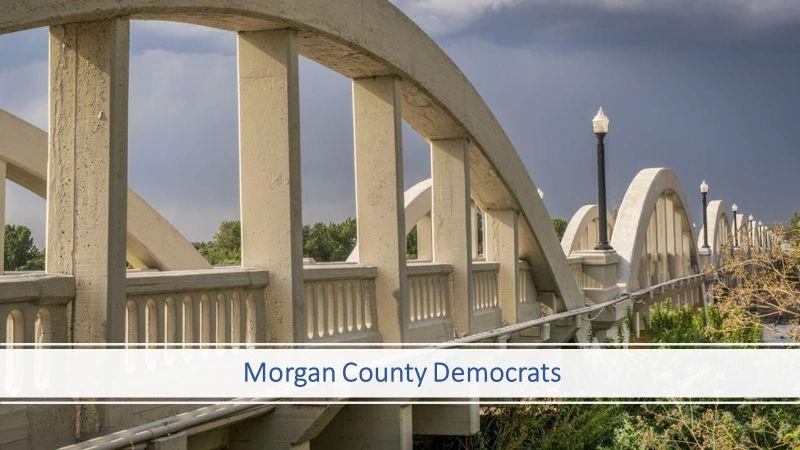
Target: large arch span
(361, 39)
(152, 241)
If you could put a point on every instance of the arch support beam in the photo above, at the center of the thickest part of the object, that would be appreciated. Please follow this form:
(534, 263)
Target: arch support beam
(269, 183)
(380, 212)
(87, 171)
(451, 217)
(502, 246)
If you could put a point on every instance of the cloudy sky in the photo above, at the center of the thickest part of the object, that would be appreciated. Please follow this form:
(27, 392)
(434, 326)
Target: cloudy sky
(708, 88)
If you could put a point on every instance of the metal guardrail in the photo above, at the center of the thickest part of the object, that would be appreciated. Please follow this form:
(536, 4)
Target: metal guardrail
(138, 436)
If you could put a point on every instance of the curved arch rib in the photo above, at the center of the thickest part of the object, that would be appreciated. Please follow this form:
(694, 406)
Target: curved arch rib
(582, 230)
(652, 189)
(152, 241)
(718, 230)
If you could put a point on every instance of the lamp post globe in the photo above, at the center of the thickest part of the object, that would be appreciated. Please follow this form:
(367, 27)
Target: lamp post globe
(600, 128)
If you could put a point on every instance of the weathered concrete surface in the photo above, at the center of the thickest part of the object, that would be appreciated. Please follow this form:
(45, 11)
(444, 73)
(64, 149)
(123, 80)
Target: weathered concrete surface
(501, 246)
(269, 161)
(364, 39)
(87, 171)
(379, 197)
(152, 241)
(450, 212)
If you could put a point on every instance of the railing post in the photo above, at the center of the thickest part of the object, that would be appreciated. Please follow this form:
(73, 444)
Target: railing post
(269, 180)
(2, 214)
(502, 246)
(452, 223)
(380, 210)
(87, 172)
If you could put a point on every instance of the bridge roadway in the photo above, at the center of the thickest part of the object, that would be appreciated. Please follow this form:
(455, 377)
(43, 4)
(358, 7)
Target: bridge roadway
(511, 282)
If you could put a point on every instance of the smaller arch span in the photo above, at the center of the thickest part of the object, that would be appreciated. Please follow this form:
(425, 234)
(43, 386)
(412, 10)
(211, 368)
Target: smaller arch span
(653, 235)
(719, 231)
(583, 229)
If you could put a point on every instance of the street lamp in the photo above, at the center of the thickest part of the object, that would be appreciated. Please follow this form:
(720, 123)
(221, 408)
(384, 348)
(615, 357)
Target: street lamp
(750, 236)
(735, 210)
(704, 192)
(600, 127)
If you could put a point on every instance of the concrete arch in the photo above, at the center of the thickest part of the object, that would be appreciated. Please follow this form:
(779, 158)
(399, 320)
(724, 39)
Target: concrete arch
(152, 241)
(362, 39)
(719, 231)
(583, 230)
(652, 214)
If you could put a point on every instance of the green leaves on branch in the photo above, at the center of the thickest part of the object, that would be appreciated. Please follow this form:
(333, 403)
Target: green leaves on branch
(20, 252)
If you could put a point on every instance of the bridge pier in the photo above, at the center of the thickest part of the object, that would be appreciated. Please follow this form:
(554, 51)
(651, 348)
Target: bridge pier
(376, 427)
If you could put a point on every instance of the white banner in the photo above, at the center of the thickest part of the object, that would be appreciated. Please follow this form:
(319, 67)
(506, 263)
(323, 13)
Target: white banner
(514, 373)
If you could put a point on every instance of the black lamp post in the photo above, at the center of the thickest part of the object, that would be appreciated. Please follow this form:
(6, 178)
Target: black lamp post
(735, 210)
(600, 127)
(704, 192)
(750, 237)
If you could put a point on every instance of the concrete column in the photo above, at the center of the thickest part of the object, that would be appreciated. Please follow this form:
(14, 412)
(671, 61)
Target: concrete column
(380, 209)
(87, 172)
(452, 223)
(425, 239)
(2, 214)
(502, 246)
(269, 180)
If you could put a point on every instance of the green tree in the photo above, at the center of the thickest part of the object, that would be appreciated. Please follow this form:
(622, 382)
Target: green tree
(561, 226)
(329, 242)
(20, 252)
(226, 247)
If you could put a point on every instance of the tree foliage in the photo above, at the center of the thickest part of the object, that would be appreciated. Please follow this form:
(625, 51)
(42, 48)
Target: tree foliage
(561, 226)
(20, 252)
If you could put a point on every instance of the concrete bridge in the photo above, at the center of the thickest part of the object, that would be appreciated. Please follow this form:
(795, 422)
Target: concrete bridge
(523, 286)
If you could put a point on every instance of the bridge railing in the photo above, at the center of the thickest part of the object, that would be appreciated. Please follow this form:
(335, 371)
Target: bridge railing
(34, 308)
(486, 305)
(223, 305)
(430, 300)
(340, 303)
(640, 297)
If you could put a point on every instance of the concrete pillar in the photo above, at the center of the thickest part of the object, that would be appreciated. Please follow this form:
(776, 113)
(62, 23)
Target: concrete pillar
(87, 172)
(502, 246)
(2, 214)
(269, 180)
(474, 229)
(425, 239)
(374, 427)
(452, 223)
(380, 211)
